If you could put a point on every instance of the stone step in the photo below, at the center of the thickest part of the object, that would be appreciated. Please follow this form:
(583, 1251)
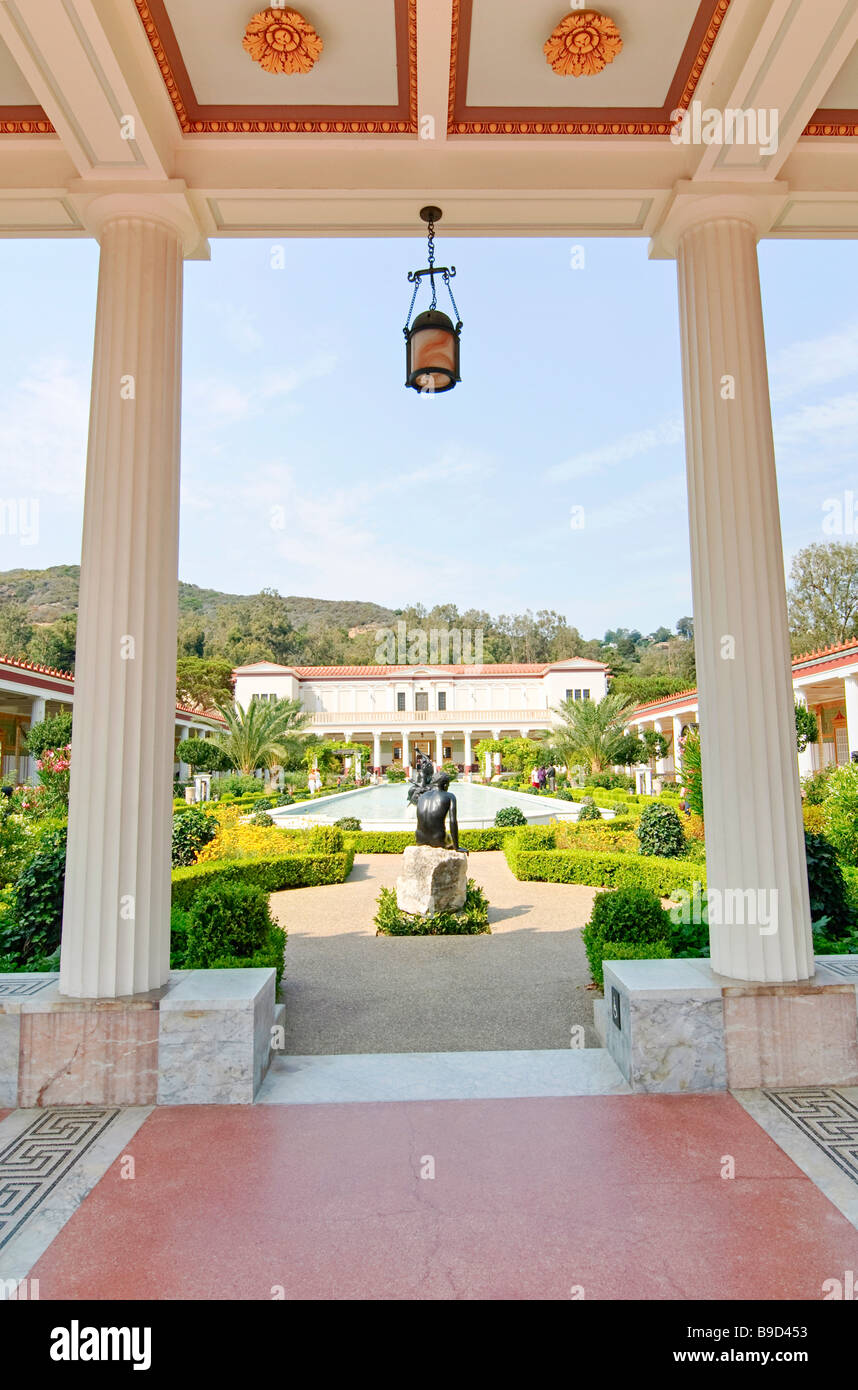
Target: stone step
(377, 1076)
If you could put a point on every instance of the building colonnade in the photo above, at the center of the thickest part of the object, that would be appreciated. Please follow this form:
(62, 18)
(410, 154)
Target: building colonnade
(116, 919)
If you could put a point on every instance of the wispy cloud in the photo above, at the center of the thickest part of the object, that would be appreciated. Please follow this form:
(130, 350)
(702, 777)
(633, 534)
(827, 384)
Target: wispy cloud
(225, 401)
(821, 423)
(43, 430)
(815, 362)
(628, 446)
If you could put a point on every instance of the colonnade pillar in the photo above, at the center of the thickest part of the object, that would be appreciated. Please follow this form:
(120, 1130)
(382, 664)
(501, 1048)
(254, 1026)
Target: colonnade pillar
(116, 920)
(754, 830)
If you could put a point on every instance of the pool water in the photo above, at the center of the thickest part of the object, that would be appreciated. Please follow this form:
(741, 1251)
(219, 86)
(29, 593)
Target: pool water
(384, 807)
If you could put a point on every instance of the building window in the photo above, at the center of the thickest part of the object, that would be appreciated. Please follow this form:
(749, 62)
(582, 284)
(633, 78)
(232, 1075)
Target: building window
(421, 700)
(400, 699)
(442, 699)
(569, 694)
(577, 694)
(448, 754)
(586, 694)
(397, 754)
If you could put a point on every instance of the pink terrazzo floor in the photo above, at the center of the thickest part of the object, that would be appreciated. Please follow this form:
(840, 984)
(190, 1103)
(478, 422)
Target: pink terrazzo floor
(621, 1196)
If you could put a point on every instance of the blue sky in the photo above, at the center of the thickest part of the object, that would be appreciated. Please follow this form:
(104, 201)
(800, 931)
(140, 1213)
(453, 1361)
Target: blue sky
(307, 467)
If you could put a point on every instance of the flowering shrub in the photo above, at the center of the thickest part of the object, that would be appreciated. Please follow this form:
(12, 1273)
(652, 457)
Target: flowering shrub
(54, 772)
(233, 840)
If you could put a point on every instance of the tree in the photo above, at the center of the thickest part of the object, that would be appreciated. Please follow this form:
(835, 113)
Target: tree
(263, 735)
(16, 631)
(258, 629)
(53, 732)
(685, 628)
(806, 727)
(54, 644)
(630, 751)
(592, 731)
(202, 755)
(823, 597)
(203, 683)
(655, 745)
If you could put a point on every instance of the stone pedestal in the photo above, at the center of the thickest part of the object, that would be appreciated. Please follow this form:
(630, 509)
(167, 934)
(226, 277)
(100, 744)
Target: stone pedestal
(203, 1038)
(677, 1025)
(432, 880)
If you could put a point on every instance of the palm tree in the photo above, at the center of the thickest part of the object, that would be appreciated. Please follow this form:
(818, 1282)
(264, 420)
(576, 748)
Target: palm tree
(263, 735)
(592, 730)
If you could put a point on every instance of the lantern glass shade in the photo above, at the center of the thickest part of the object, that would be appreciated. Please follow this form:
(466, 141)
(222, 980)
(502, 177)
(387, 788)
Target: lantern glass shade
(432, 353)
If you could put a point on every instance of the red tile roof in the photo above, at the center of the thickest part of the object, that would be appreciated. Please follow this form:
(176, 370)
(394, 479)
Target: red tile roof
(826, 651)
(516, 668)
(18, 665)
(34, 666)
(820, 660)
(678, 697)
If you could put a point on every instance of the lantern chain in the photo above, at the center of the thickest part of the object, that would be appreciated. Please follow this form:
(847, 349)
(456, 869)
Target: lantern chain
(411, 307)
(450, 293)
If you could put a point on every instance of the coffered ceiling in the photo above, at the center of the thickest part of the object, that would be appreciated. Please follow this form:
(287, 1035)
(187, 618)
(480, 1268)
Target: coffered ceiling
(408, 101)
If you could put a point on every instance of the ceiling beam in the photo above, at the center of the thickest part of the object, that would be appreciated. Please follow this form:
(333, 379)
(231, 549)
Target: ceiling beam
(794, 48)
(66, 57)
(434, 40)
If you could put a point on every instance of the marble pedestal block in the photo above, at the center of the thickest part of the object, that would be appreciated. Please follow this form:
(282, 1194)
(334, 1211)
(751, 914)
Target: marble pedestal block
(203, 1038)
(432, 880)
(214, 1042)
(676, 1025)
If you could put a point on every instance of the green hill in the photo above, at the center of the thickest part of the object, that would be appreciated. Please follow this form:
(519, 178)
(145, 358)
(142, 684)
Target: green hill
(53, 593)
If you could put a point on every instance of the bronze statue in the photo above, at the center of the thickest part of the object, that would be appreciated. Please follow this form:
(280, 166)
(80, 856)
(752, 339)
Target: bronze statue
(433, 808)
(421, 778)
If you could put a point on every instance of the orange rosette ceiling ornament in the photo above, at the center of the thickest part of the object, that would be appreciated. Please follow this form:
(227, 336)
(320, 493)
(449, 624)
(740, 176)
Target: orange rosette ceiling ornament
(583, 44)
(281, 40)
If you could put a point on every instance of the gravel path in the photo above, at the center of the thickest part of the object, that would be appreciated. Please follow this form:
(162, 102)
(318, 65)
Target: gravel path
(347, 990)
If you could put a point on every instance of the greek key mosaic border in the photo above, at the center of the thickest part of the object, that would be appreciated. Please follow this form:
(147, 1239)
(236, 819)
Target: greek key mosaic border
(15, 988)
(846, 966)
(825, 1116)
(33, 1163)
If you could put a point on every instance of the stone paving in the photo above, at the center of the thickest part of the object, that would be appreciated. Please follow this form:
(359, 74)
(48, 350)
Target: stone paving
(348, 991)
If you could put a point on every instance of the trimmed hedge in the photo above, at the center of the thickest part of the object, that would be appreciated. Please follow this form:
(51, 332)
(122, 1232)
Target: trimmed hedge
(600, 870)
(631, 950)
(273, 875)
(470, 920)
(395, 841)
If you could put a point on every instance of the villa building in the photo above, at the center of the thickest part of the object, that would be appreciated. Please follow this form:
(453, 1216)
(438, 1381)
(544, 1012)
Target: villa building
(398, 711)
(826, 681)
(30, 693)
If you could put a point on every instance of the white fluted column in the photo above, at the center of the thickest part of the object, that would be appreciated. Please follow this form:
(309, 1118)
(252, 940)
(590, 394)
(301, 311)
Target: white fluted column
(469, 756)
(851, 700)
(677, 735)
(116, 920)
(660, 763)
(805, 759)
(439, 748)
(376, 750)
(754, 832)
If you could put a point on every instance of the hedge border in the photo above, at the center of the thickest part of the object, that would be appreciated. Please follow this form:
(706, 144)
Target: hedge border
(395, 841)
(273, 874)
(600, 870)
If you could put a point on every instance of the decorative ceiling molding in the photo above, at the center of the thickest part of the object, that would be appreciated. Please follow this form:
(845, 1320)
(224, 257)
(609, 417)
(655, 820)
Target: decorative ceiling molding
(582, 120)
(583, 44)
(196, 119)
(282, 41)
(833, 122)
(24, 120)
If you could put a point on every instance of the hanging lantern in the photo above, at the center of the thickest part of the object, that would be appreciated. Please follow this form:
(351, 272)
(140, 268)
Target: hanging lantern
(432, 340)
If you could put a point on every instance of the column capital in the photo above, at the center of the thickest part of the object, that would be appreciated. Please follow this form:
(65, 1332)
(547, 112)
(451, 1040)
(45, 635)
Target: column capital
(691, 204)
(165, 201)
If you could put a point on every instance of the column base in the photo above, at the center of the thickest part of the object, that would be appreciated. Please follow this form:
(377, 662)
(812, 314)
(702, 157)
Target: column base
(203, 1039)
(676, 1025)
